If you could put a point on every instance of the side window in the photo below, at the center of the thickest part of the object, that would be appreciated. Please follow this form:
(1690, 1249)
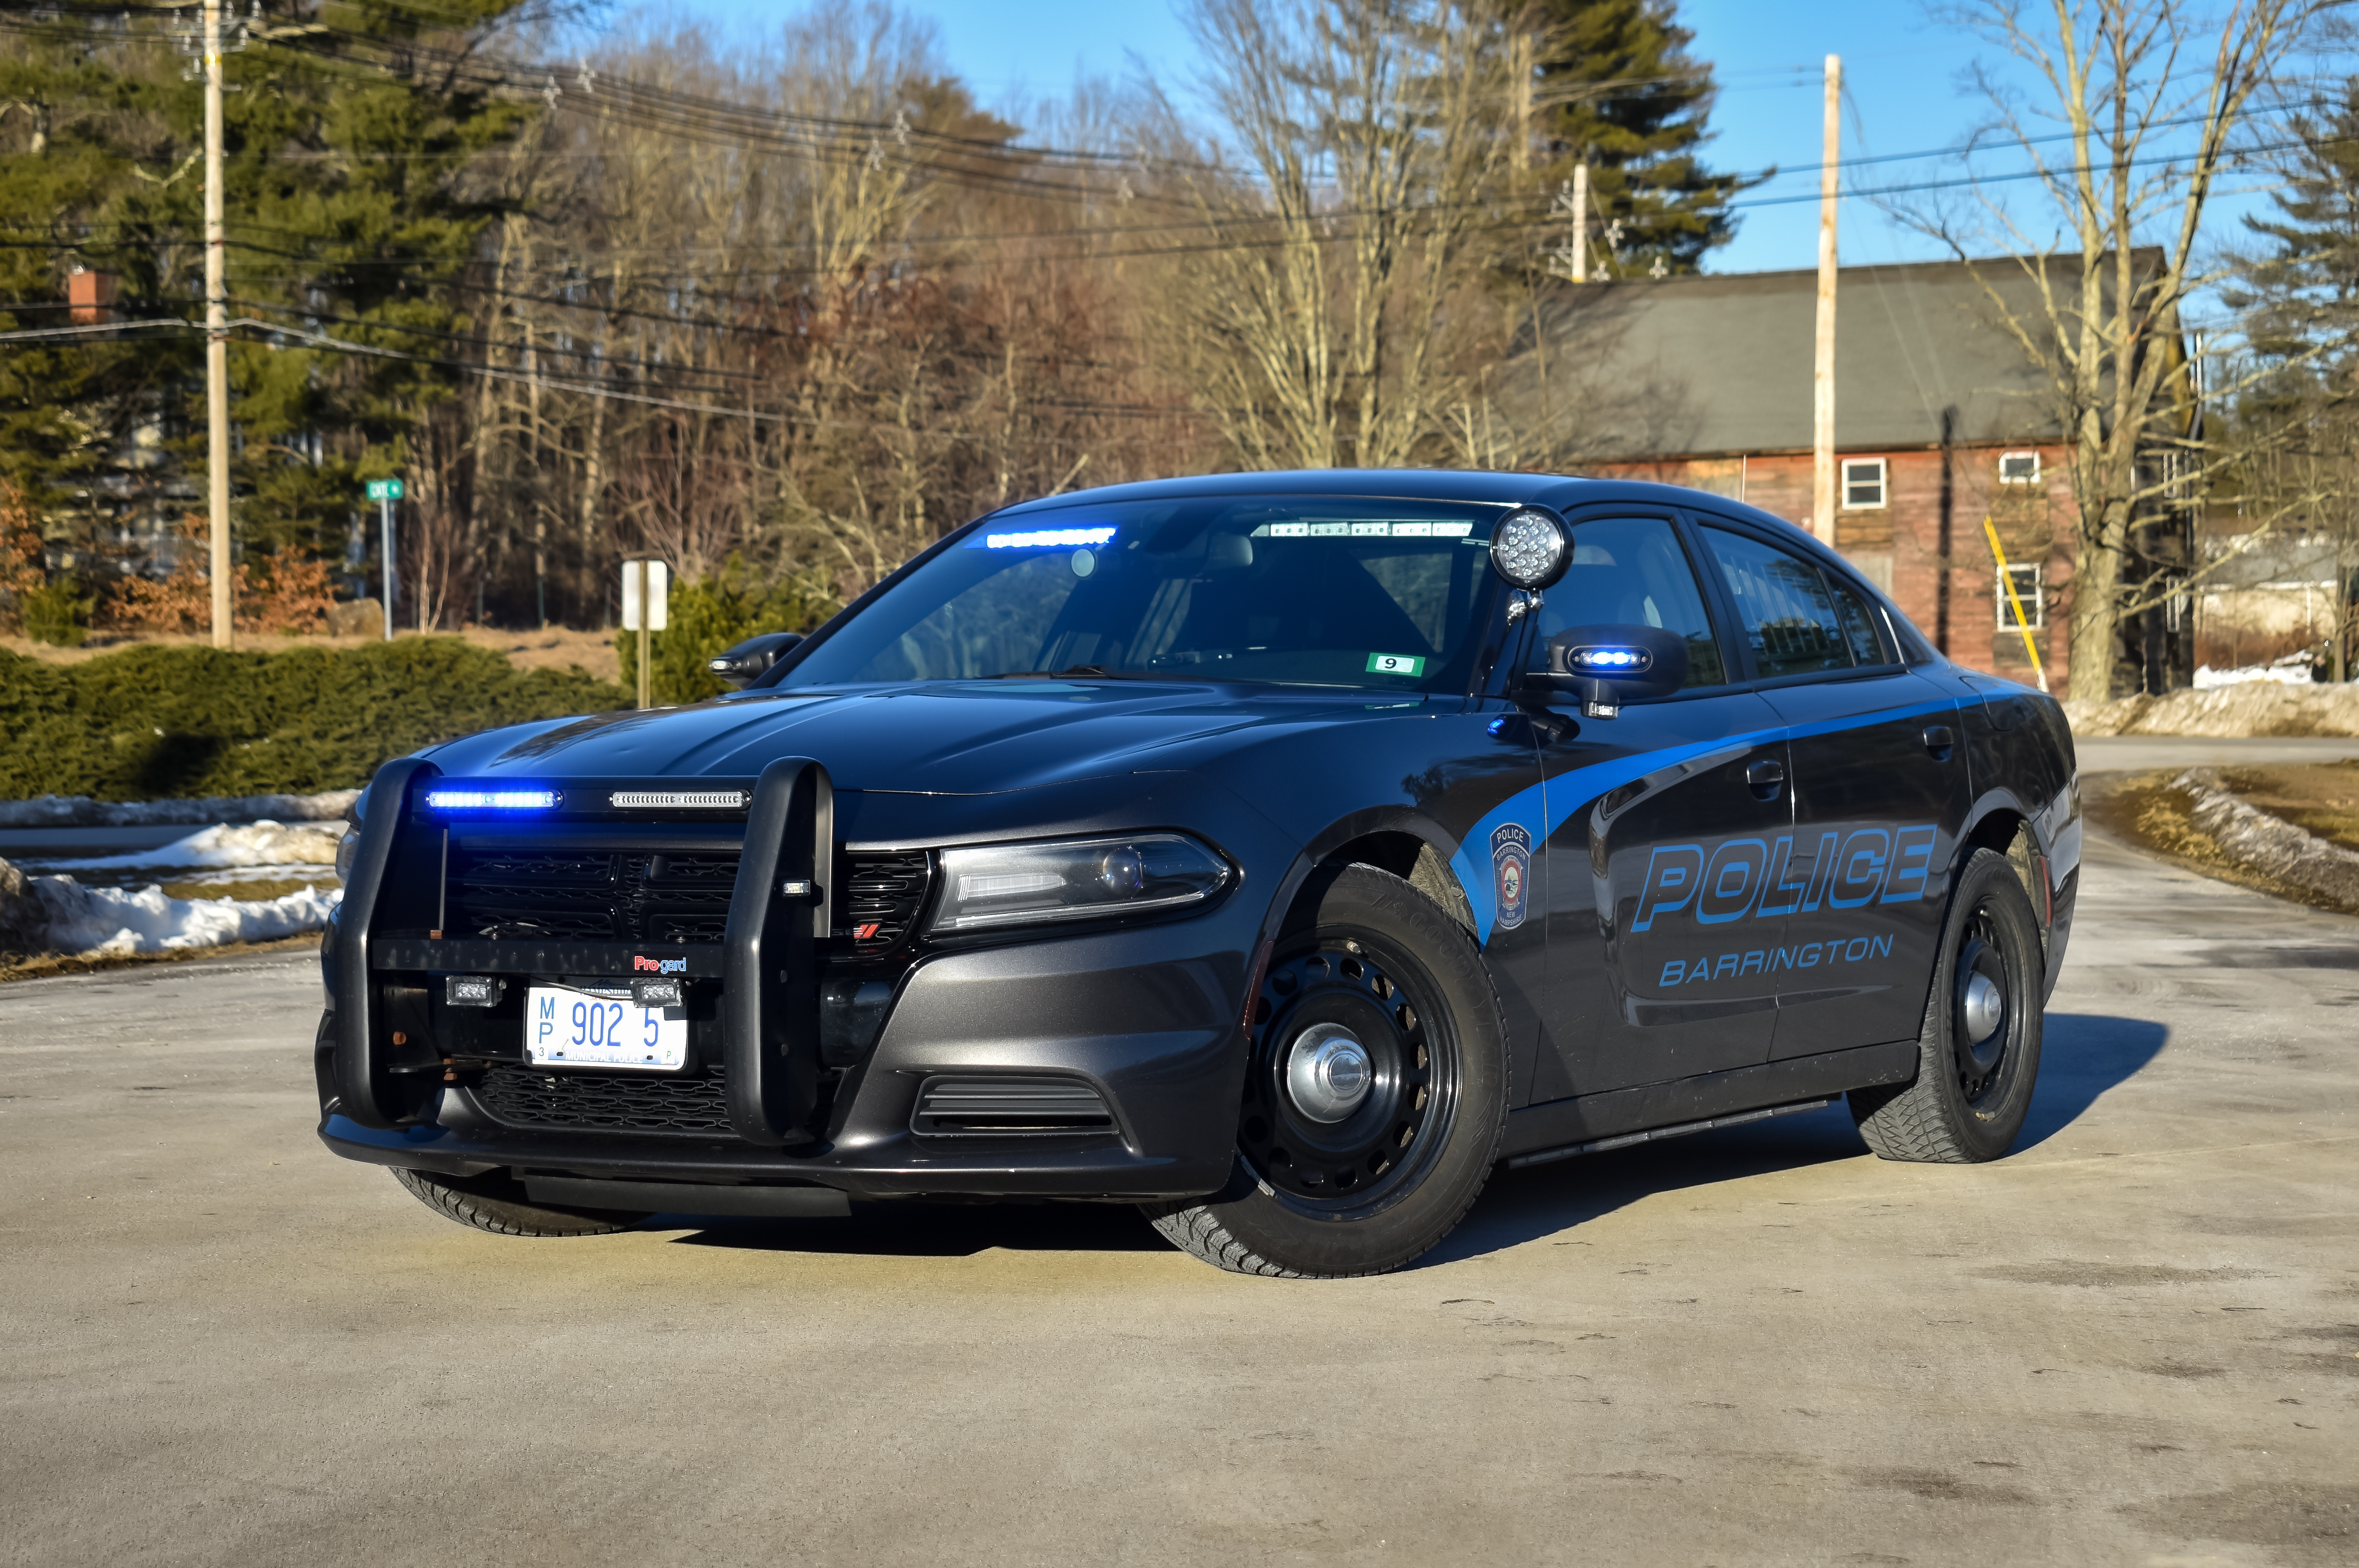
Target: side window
(1858, 624)
(1791, 611)
(1630, 571)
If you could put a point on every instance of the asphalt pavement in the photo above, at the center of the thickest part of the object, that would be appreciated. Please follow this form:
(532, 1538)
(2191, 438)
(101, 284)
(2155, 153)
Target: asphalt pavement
(2134, 1341)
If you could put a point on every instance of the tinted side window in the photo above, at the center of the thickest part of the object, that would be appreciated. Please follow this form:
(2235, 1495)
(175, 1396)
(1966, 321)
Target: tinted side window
(1858, 624)
(1630, 571)
(1788, 609)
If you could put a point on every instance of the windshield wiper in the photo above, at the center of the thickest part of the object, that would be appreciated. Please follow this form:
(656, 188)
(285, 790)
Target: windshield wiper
(1083, 672)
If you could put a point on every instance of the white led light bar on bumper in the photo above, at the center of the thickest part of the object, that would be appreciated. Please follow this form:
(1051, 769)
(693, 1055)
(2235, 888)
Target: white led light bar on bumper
(1080, 878)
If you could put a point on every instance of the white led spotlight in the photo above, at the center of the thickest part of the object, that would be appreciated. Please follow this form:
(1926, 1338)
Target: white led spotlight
(1531, 548)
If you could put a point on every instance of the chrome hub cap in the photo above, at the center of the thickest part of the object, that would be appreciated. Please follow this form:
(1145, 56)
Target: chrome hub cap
(1985, 1006)
(1327, 1073)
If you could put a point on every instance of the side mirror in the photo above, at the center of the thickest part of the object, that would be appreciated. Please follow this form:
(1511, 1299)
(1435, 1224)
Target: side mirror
(1609, 666)
(746, 663)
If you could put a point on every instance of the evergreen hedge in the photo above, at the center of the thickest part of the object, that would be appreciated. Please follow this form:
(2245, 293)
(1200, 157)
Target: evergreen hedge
(162, 722)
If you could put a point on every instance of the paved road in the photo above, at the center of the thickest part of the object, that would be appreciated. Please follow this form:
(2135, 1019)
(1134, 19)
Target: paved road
(2136, 1341)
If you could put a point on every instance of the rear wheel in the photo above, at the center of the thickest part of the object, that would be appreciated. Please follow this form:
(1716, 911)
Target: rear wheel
(497, 1204)
(1978, 1053)
(1375, 1095)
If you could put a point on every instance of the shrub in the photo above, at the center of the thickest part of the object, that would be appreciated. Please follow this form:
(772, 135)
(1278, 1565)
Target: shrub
(57, 611)
(708, 617)
(165, 722)
(290, 593)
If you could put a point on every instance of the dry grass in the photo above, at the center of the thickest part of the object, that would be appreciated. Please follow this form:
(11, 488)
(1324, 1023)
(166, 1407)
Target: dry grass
(17, 966)
(2321, 797)
(2147, 810)
(556, 647)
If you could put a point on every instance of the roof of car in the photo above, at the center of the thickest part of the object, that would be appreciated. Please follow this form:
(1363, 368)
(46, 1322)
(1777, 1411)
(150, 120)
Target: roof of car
(1405, 484)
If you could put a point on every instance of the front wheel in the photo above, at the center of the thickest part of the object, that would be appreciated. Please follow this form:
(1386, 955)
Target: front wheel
(1978, 1053)
(1375, 1092)
(497, 1203)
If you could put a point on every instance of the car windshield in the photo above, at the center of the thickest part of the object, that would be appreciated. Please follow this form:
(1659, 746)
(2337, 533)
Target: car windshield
(1297, 590)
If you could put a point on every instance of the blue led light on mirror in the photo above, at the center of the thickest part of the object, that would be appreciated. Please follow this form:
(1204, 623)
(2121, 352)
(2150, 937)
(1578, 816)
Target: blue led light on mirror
(1619, 661)
(491, 800)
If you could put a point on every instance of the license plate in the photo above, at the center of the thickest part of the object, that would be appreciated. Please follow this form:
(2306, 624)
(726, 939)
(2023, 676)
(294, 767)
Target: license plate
(565, 1028)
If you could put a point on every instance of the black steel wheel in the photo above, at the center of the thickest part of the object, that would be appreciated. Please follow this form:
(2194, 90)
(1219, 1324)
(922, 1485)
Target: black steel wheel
(1978, 1053)
(1376, 1091)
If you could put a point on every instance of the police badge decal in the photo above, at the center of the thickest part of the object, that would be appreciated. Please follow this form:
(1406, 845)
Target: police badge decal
(1511, 871)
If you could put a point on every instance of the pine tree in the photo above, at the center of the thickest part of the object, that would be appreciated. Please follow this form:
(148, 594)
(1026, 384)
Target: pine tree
(1615, 88)
(346, 140)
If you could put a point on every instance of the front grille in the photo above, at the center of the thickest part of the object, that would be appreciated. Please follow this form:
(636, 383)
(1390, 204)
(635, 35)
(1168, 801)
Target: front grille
(606, 1102)
(620, 895)
(627, 895)
(1009, 1108)
(883, 898)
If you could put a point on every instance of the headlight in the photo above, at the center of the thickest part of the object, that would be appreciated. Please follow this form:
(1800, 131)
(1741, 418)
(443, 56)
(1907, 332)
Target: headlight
(1080, 878)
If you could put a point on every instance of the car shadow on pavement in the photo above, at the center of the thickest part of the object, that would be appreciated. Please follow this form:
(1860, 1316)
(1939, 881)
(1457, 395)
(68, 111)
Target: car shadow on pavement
(2082, 1056)
(915, 1230)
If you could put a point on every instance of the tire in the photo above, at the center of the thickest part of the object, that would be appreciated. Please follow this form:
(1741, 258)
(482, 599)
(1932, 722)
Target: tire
(1971, 1095)
(497, 1204)
(1326, 1186)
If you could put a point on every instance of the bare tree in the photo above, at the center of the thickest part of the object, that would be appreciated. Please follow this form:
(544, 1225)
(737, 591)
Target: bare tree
(2135, 116)
(1317, 315)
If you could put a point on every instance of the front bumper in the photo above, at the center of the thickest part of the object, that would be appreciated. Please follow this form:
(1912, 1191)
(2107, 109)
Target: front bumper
(1147, 1018)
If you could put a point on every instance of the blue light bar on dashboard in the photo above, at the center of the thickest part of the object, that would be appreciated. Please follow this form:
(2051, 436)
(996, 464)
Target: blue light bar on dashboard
(491, 800)
(1048, 539)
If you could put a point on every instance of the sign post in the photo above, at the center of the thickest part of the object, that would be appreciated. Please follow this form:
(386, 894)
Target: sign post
(384, 492)
(646, 598)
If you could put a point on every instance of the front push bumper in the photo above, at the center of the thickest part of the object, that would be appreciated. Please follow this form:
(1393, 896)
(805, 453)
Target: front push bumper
(1147, 1018)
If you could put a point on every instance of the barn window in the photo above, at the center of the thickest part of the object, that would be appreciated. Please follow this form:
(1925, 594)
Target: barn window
(1863, 483)
(2030, 590)
(2019, 468)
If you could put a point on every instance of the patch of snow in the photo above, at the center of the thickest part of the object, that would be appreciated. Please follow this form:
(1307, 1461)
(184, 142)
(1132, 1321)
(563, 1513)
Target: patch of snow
(81, 811)
(264, 844)
(2271, 844)
(118, 920)
(2291, 670)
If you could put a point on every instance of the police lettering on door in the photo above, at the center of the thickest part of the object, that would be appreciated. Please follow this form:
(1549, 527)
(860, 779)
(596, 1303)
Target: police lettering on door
(1752, 879)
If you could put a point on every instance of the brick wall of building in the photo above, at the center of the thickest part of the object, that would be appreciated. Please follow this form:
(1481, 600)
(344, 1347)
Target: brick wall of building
(1902, 545)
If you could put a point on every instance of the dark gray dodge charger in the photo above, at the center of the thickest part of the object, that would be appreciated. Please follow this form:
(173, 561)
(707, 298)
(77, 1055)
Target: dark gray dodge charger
(1277, 852)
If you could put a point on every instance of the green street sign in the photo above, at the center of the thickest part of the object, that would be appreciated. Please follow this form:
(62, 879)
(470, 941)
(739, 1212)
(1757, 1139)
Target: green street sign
(385, 489)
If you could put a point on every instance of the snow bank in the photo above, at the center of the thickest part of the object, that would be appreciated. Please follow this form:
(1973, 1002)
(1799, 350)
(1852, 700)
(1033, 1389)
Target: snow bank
(115, 920)
(2291, 670)
(2271, 844)
(2248, 707)
(257, 844)
(81, 811)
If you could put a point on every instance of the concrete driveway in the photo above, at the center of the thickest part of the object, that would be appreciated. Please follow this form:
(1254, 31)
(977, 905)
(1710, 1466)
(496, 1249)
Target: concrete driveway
(2135, 1341)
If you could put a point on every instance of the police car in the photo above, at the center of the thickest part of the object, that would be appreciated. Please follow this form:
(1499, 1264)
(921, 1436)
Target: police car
(1281, 853)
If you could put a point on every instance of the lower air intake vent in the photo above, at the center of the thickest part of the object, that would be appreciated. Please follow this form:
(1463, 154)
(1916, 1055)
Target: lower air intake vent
(607, 1102)
(1009, 1108)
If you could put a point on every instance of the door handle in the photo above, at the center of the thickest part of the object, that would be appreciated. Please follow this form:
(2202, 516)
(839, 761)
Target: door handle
(1766, 776)
(1940, 741)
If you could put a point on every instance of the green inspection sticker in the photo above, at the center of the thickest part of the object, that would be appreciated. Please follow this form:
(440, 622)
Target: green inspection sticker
(1396, 665)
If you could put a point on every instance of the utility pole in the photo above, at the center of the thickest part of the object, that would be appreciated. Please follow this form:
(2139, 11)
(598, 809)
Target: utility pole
(1823, 375)
(1581, 222)
(216, 332)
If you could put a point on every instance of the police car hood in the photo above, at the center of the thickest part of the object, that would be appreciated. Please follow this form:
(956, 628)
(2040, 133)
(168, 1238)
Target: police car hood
(941, 738)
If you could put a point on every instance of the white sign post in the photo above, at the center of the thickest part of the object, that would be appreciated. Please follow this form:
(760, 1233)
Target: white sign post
(647, 595)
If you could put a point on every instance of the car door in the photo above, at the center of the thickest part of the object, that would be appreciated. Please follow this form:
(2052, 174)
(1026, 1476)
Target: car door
(1663, 823)
(1879, 789)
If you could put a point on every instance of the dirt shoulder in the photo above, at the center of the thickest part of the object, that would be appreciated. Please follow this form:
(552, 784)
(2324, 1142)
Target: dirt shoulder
(2150, 811)
(555, 647)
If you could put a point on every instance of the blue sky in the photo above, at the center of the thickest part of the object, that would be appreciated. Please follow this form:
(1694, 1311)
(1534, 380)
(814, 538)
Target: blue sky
(1901, 77)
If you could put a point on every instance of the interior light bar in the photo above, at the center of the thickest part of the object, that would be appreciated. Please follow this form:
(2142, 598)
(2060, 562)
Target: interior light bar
(676, 800)
(1048, 538)
(491, 800)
